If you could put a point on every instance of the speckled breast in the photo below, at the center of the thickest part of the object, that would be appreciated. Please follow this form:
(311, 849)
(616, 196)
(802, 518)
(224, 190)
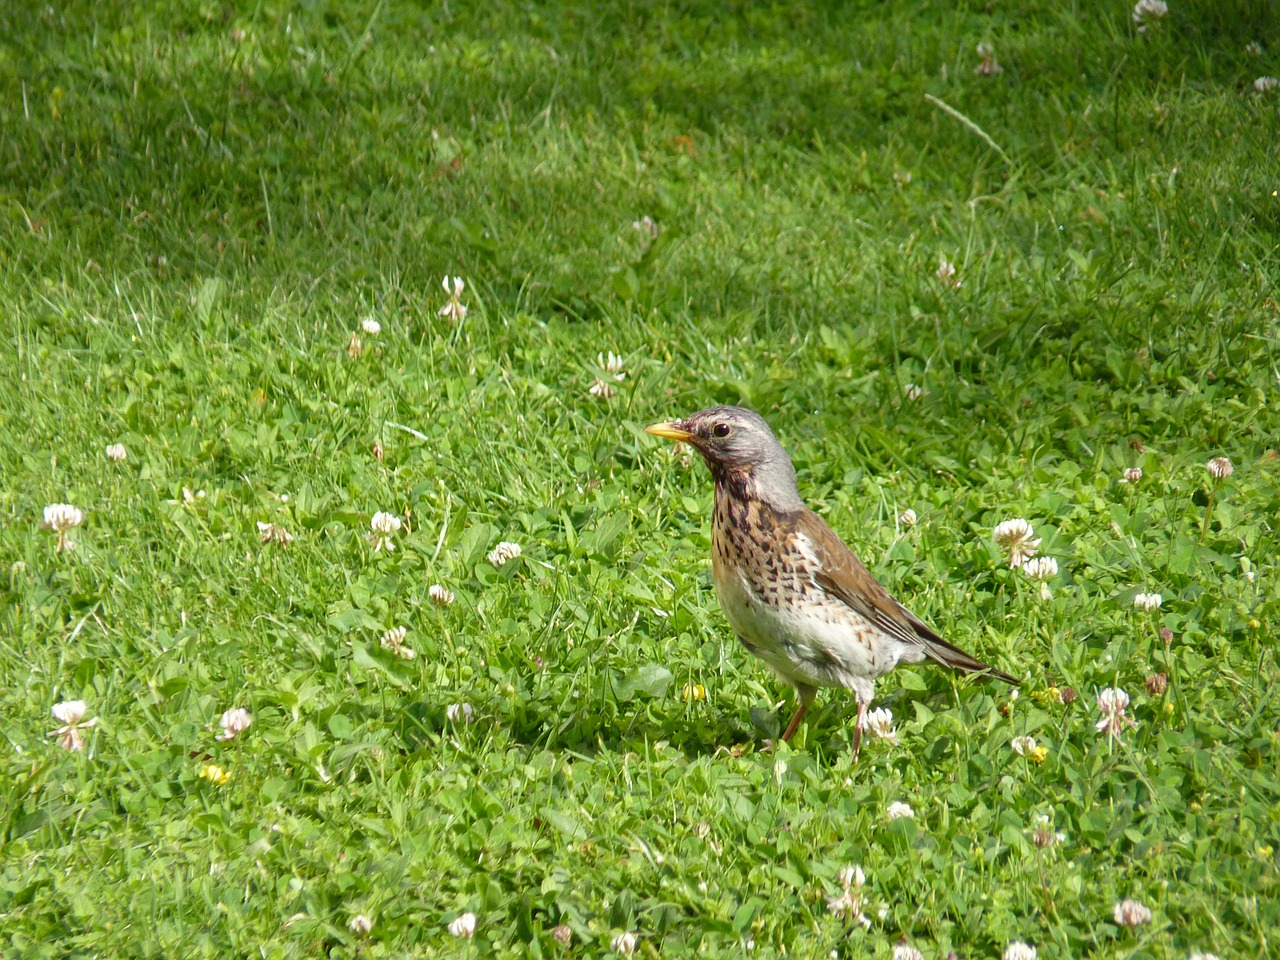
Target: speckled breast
(758, 580)
(766, 587)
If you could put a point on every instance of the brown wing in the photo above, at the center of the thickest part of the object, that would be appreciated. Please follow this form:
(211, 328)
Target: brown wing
(844, 576)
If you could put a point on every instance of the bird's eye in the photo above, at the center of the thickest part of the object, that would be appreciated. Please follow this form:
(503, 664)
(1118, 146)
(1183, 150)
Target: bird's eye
(720, 430)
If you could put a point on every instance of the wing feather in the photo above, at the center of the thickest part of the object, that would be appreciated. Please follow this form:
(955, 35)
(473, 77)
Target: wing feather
(844, 576)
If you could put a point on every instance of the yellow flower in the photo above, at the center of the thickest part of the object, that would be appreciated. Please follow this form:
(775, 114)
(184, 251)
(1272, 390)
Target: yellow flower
(214, 774)
(1048, 695)
(695, 691)
(1039, 752)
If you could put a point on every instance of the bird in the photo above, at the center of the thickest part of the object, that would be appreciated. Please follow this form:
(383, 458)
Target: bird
(794, 593)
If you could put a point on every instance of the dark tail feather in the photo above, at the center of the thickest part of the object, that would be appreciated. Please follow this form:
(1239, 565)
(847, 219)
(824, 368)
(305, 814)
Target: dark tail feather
(948, 654)
(952, 656)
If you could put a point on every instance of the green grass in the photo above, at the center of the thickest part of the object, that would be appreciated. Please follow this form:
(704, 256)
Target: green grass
(198, 204)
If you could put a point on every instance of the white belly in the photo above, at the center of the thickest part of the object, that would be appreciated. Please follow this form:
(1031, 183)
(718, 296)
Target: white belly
(822, 644)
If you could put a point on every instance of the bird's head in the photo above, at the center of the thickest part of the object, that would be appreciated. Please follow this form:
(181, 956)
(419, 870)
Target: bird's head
(736, 441)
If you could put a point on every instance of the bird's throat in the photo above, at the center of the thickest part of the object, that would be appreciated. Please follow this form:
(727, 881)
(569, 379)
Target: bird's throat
(772, 484)
(736, 484)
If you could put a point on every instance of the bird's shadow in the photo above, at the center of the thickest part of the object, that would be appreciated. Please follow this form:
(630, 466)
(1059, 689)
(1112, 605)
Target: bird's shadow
(710, 731)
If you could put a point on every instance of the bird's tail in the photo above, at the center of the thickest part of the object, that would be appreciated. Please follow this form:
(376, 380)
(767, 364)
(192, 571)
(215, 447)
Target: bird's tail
(948, 654)
(952, 656)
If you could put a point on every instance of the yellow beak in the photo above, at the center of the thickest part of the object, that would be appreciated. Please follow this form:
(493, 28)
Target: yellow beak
(669, 430)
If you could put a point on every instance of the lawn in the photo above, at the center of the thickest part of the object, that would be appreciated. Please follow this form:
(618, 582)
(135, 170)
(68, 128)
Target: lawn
(976, 288)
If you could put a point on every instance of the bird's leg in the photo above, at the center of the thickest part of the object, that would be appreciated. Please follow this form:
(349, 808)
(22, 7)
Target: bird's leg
(857, 728)
(805, 694)
(795, 721)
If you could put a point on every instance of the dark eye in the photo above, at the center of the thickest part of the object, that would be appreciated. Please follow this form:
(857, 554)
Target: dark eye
(720, 430)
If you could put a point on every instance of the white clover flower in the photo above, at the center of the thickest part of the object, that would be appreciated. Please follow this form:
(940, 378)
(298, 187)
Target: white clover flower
(647, 226)
(946, 274)
(848, 905)
(234, 722)
(563, 934)
(898, 810)
(1132, 475)
(393, 640)
(1026, 746)
(912, 392)
(1220, 468)
(382, 527)
(612, 365)
(624, 944)
(908, 518)
(988, 67)
(1041, 568)
(460, 712)
(274, 533)
(904, 951)
(360, 925)
(1147, 602)
(1023, 746)
(1112, 703)
(371, 326)
(354, 346)
(1131, 913)
(1017, 950)
(852, 876)
(61, 518)
(1043, 834)
(454, 309)
(503, 552)
(1203, 956)
(1147, 12)
(1015, 538)
(601, 389)
(464, 925)
(441, 596)
(117, 453)
(71, 714)
(844, 904)
(880, 722)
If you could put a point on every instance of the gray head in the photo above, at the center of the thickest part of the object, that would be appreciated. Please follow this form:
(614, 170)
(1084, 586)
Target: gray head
(737, 444)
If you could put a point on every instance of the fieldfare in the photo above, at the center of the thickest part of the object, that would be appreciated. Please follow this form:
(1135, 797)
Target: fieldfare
(795, 595)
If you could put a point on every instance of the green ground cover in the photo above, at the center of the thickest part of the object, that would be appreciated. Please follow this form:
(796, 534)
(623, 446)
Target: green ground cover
(199, 205)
